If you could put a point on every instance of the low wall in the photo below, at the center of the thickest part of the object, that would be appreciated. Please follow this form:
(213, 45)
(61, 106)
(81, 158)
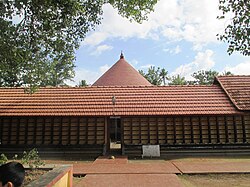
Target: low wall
(61, 176)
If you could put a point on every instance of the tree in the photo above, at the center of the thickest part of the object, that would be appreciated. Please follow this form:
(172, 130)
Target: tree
(82, 83)
(204, 77)
(237, 32)
(177, 80)
(47, 34)
(225, 73)
(163, 74)
(155, 76)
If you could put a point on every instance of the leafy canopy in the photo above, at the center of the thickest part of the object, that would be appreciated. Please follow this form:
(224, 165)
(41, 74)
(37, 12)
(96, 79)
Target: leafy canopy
(204, 77)
(201, 77)
(155, 76)
(237, 32)
(82, 83)
(38, 38)
(177, 80)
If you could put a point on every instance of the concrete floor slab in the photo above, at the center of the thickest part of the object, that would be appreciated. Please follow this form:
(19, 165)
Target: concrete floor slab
(131, 168)
(132, 180)
(189, 167)
(109, 160)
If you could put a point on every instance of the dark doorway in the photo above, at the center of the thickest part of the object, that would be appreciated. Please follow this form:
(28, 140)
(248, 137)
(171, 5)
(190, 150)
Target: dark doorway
(115, 133)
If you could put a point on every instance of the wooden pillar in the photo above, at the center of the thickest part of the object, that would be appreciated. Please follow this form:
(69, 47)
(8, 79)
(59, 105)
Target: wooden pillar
(174, 126)
(131, 130)
(157, 130)
(61, 131)
(209, 129)
(26, 130)
(235, 130)
(226, 129)
(1, 130)
(166, 130)
(95, 133)
(217, 130)
(200, 129)
(43, 131)
(106, 137)
(18, 131)
(140, 141)
(9, 131)
(192, 130)
(183, 130)
(69, 130)
(122, 137)
(35, 129)
(86, 130)
(52, 130)
(243, 128)
(78, 130)
(148, 131)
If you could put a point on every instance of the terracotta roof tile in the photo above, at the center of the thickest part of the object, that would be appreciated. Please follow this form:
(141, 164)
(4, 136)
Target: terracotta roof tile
(130, 100)
(237, 88)
(122, 74)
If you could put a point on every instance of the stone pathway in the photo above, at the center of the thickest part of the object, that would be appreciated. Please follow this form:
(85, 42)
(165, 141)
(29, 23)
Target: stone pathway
(190, 167)
(119, 172)
(130, 180)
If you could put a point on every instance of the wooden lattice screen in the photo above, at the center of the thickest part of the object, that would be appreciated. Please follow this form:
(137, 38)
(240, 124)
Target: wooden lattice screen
(52, 131)
(186, 130)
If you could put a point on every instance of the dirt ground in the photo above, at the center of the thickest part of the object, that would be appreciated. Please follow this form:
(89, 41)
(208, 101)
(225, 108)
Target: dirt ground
(31, 175)
(76, 180)
(215, 180)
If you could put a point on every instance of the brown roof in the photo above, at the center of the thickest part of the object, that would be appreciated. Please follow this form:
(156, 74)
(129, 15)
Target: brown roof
(237, 88)
(130, 100)
(122, 74)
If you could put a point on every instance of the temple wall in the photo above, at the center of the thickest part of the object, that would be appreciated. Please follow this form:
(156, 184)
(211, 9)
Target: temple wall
(192, 132)
(45, 131)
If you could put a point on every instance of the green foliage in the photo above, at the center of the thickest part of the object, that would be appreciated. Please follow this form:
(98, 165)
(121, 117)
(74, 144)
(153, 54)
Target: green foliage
(133, 9)
(82, 83)
(177, 80)
(225, 73)
(204, 77)
(237, 32)
(3, 159)
(39, 48)
(32, 159)
(164, 75)
(159, 76)
(155, 76)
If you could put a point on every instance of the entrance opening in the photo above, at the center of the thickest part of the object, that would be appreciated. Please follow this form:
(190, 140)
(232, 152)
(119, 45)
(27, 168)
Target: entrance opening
(115, 133)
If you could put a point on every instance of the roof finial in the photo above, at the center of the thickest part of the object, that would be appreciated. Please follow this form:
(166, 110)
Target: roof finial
(121, 56)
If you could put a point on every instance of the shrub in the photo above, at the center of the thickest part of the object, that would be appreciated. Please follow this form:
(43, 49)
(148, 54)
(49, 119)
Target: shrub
(3, 159)
(32, 159)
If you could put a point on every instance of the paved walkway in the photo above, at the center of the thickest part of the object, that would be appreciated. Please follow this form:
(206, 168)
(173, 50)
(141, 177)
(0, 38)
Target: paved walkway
(119, 172)
(195, 167)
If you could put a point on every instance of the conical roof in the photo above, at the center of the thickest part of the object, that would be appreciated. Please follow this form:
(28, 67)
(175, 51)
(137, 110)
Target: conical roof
(122, 74)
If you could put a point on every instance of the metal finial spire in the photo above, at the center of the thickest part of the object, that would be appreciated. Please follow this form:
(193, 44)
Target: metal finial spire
(121, 56)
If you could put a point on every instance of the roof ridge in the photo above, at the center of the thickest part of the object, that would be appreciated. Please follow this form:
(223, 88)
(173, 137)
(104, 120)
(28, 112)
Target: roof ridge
(227, 93)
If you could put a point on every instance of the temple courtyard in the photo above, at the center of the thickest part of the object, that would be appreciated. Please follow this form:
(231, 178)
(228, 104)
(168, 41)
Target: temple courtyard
(121, 171)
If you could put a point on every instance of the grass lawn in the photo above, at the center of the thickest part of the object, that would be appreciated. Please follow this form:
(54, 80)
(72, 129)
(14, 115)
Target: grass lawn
(215, 180)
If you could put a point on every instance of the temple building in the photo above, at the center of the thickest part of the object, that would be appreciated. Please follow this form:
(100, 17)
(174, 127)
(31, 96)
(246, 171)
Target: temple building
(121, 112)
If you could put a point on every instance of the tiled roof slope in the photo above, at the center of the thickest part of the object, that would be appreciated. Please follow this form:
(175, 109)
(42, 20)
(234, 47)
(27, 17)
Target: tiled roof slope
(97, 101)
(237, 89)
(122, 74)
